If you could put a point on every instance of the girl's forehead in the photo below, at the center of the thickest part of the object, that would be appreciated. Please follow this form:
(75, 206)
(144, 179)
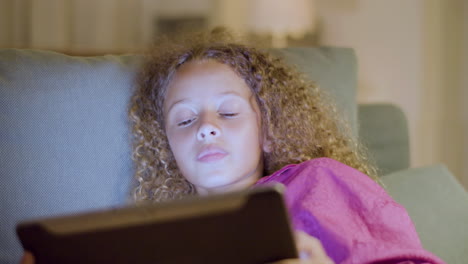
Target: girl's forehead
(201, 66)
(200, 80)
(206, 72)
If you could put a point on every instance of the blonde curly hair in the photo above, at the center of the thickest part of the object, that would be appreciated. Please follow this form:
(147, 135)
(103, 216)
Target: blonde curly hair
(296, 116)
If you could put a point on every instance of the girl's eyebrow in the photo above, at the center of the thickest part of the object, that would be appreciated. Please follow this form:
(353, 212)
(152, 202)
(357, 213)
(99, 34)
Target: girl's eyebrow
(229, 94)
(177, 103)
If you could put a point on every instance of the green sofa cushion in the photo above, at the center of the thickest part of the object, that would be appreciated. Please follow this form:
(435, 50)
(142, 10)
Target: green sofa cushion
(383, 129)
(334, 70)
(438, 206)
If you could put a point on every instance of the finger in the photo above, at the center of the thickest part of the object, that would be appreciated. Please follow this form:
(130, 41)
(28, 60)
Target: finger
(311, 248)
(27, 258)
(309, 244)
(289, 261)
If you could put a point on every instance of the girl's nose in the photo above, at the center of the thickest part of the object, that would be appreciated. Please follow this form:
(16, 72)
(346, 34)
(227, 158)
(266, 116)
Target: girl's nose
(208, 131)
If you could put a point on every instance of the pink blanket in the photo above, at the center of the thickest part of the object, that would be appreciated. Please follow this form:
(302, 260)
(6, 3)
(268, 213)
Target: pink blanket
(353, 217)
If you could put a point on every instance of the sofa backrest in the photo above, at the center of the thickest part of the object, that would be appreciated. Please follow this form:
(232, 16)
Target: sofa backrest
(64, 135)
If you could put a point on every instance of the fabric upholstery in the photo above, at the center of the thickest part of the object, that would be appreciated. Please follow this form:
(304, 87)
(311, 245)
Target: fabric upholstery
(334, 70)
(383, 129)
(438, 206)
(63, 136)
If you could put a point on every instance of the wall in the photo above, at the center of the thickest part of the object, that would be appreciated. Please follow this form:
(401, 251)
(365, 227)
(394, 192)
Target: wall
(6, 27)
(89, 26)
(408, 53)
(464, 88)
(450, 121)
(388, 50)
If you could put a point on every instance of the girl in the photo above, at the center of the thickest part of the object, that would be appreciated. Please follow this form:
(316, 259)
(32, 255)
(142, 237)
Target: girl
(211, 115)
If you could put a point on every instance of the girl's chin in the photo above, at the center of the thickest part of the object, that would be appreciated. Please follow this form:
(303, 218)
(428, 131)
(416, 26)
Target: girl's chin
(217, 186)
(223, 186)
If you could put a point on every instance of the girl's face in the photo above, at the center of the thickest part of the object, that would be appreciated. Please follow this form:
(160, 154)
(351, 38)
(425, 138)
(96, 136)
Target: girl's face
(212, 122)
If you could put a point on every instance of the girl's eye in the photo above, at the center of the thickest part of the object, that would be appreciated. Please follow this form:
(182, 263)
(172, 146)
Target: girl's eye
(185, 122)
(229, 114)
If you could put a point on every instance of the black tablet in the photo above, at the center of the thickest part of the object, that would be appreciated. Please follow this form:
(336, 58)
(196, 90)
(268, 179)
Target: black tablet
(250, 226)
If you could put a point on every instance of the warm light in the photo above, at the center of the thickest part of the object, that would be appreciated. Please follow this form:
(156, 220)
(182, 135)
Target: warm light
(282, 18)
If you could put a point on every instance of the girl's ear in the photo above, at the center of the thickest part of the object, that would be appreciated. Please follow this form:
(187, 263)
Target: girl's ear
(266, 145)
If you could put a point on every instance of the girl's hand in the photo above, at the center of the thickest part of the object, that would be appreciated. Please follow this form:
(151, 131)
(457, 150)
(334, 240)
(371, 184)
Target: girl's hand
(27, 258)
(310, 251)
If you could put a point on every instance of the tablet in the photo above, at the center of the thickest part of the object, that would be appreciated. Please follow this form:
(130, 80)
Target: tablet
(250, 226)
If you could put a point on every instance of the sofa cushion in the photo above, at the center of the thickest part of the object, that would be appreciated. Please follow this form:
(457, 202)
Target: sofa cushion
(334, 70)
(438, 206)
(383, 129)
(64, 136)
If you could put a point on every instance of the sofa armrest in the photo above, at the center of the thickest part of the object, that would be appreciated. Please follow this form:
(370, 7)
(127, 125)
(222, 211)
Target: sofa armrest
(438, 205)
(383, 130)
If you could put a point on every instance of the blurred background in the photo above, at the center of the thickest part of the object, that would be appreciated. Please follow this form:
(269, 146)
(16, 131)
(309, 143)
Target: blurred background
(410, 53)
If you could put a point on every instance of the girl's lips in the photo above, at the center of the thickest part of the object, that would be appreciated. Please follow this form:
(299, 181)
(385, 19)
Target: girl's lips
(212, 157)
(210, 154)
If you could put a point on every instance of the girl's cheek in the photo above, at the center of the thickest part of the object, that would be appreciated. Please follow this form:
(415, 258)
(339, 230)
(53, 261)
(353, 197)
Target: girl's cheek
(184, 134)
(177, 143)
(249, 122)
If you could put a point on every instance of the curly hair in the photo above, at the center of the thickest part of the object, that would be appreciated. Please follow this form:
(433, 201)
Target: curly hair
(297, 118)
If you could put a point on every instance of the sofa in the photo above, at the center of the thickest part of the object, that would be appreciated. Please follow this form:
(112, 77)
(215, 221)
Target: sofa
(65, 142)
